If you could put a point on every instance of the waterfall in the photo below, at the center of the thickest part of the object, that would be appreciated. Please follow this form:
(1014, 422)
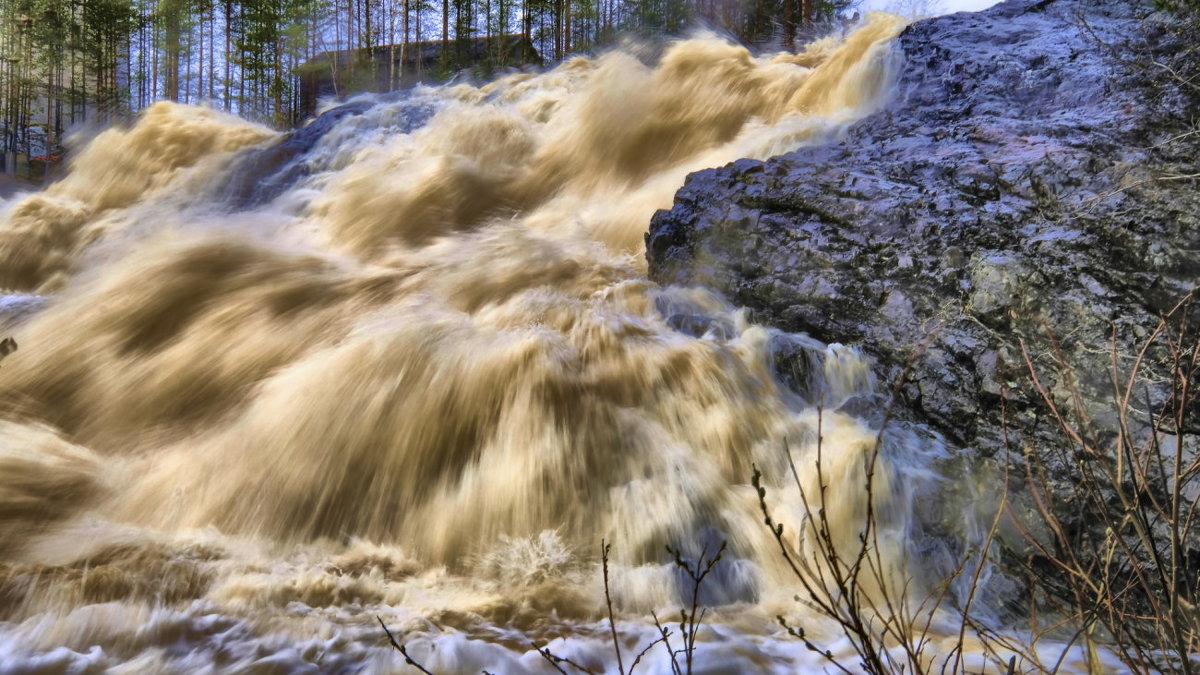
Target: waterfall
(405, 362)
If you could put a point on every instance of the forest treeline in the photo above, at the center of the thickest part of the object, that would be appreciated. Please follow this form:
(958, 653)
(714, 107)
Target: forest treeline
(63, 62)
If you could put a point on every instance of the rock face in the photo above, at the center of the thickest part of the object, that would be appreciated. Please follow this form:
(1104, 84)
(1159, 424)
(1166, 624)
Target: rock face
(1024, 182)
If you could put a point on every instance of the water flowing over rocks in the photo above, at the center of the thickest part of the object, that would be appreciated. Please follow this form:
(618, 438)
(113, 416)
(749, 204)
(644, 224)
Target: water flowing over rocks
(405, 364)
(1023, 182)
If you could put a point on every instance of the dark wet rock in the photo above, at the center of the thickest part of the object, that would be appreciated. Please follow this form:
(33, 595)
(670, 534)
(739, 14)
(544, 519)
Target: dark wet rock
(1016, 187)
(263, 174)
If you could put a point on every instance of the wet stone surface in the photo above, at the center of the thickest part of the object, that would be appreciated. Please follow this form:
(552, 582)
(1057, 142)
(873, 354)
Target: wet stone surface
(1012, 189)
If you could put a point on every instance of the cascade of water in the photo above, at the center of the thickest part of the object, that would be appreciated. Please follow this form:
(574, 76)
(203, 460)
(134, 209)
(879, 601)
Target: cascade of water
(406, 360)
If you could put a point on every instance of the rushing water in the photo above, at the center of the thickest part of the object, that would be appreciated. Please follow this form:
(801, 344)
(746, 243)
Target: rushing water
(405, 363)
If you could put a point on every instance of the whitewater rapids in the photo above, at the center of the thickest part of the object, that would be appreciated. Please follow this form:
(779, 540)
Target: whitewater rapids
(405, 363)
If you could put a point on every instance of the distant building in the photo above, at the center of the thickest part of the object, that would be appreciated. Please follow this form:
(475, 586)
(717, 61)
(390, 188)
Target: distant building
(391, 67)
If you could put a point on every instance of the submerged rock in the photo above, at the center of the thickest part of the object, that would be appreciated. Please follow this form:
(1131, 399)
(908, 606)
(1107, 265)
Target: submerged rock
(17, 307)
(1021, 185)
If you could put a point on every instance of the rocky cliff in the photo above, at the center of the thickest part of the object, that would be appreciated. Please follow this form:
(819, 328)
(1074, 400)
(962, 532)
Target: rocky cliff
(1033, 178)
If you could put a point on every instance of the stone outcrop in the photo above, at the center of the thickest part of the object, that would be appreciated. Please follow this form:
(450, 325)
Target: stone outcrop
(1027, 181)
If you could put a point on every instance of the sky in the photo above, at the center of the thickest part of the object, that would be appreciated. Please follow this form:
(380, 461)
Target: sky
(935, 7)
(950, 6)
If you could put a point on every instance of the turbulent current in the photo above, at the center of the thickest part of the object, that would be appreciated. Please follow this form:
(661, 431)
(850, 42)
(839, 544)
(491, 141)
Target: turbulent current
(405, 363)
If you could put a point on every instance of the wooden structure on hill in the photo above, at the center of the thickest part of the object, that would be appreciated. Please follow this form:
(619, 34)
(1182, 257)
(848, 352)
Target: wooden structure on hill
(391, 67)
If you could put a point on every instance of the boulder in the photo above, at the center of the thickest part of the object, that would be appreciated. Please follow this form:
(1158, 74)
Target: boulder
(1025, 188)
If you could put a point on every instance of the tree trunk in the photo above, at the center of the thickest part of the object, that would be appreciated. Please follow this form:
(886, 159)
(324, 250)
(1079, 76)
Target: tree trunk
(172, 45)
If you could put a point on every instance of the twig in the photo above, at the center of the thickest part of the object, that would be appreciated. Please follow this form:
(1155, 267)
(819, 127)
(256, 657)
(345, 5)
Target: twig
(554, 659)
(612, 623)
(401, 648)
(636, 661)
(666, 640)
(689, 623)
